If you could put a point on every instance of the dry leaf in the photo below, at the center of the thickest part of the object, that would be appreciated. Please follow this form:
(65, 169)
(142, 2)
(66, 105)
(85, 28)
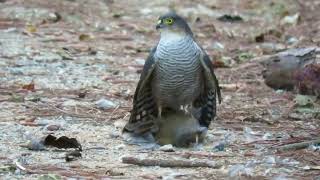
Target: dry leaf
(84, 37)
(62, 142)
(31, 28)
(29, 87)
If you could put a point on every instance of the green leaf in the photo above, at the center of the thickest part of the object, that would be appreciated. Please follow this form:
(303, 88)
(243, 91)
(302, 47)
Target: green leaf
(303, 100)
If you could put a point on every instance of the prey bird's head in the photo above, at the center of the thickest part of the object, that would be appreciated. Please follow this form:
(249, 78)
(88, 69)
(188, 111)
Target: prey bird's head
(171, 23)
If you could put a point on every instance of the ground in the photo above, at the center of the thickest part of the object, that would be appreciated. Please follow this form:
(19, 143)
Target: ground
(58, 58)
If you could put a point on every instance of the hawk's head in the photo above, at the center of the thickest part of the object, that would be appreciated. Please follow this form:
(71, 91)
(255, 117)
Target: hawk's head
(173, 23)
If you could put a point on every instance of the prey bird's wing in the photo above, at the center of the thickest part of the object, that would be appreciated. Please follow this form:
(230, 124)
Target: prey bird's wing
(206, 102)
(144, 109)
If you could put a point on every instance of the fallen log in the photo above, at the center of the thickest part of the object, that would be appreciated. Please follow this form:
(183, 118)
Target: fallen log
(169, 162)
(297, 146)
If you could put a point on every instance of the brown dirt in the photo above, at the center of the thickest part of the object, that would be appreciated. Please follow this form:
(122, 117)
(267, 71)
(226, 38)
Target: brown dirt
(95, 52)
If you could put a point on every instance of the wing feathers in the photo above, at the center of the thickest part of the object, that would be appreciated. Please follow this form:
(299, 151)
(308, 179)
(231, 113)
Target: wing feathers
(207, 99)
(144, 109)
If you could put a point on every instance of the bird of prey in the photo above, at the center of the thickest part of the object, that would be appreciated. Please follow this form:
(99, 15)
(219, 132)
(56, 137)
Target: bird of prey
(178, 74)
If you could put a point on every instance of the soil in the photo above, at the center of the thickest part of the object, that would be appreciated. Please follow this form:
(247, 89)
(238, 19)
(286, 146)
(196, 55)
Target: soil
(58, 58)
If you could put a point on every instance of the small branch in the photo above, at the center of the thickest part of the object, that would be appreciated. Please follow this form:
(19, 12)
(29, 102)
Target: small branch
(169, 162)
(297, 146)
(19, 166)
(201, 155)
(117, 37)
(231, 87)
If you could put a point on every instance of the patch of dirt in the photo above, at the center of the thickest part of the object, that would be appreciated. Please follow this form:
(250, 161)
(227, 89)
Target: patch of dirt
(55, 66)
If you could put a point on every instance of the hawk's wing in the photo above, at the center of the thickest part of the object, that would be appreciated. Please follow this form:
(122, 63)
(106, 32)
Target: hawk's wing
(206, 102)
(144, 109)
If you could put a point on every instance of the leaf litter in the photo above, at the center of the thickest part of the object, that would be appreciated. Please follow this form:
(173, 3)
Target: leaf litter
(59, 58)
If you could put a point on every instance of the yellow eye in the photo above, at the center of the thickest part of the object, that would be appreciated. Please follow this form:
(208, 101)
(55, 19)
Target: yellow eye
(168, 21)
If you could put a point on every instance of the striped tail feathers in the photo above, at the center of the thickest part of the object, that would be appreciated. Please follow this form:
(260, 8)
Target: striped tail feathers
(208, 110)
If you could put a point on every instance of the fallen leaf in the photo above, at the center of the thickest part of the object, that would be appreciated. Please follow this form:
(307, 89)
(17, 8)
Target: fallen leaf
(31, 28)
(62, 142)
(230, 18)
(85, 37)
(259, 38)
(223, 62)
(243, 57)
(65, 54)
(29, 87)
(82, 94)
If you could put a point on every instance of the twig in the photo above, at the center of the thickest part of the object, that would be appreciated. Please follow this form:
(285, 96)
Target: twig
(169, 162)
(121, 81)
(117, 37)
(267, 141)
(73, 114)
(231, 87)
(297, 146)
(201, 154)
(19, 166)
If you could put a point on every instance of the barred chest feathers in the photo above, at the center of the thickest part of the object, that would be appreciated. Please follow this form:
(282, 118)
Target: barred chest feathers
(177, 78)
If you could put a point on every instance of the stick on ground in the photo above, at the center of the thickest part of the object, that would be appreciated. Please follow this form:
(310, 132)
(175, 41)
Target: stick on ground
(296, 146)
(169, 162)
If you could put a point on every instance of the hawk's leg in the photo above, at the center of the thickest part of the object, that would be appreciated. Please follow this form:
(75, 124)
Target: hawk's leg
(159, 111)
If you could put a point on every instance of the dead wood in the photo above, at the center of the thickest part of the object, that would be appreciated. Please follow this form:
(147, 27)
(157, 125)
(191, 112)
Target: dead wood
(169, 162)
(297, 146)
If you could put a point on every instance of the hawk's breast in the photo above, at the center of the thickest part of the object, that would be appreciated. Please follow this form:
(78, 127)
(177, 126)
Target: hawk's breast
(177, 78)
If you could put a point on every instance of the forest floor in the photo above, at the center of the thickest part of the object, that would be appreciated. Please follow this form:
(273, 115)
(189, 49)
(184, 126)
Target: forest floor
(59, 58)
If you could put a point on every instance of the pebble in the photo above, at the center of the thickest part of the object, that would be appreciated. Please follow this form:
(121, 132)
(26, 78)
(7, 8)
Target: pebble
(291, 20)
(114, 134)
(120, 124)
(53, 127)
(291, 40)
(36, 145)
(105, 104)
(167, 148)
(121, 146)
(218, 46)
(220, 147)
(270, 48)
(140, 61)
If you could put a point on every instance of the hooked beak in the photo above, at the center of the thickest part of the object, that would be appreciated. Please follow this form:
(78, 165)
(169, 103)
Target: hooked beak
(159, 24)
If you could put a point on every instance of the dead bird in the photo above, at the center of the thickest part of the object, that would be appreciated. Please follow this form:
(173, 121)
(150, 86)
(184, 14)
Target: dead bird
(180, 129)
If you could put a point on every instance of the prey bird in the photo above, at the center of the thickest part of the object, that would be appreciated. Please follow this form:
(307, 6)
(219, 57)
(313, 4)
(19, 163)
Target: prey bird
(177, 75)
